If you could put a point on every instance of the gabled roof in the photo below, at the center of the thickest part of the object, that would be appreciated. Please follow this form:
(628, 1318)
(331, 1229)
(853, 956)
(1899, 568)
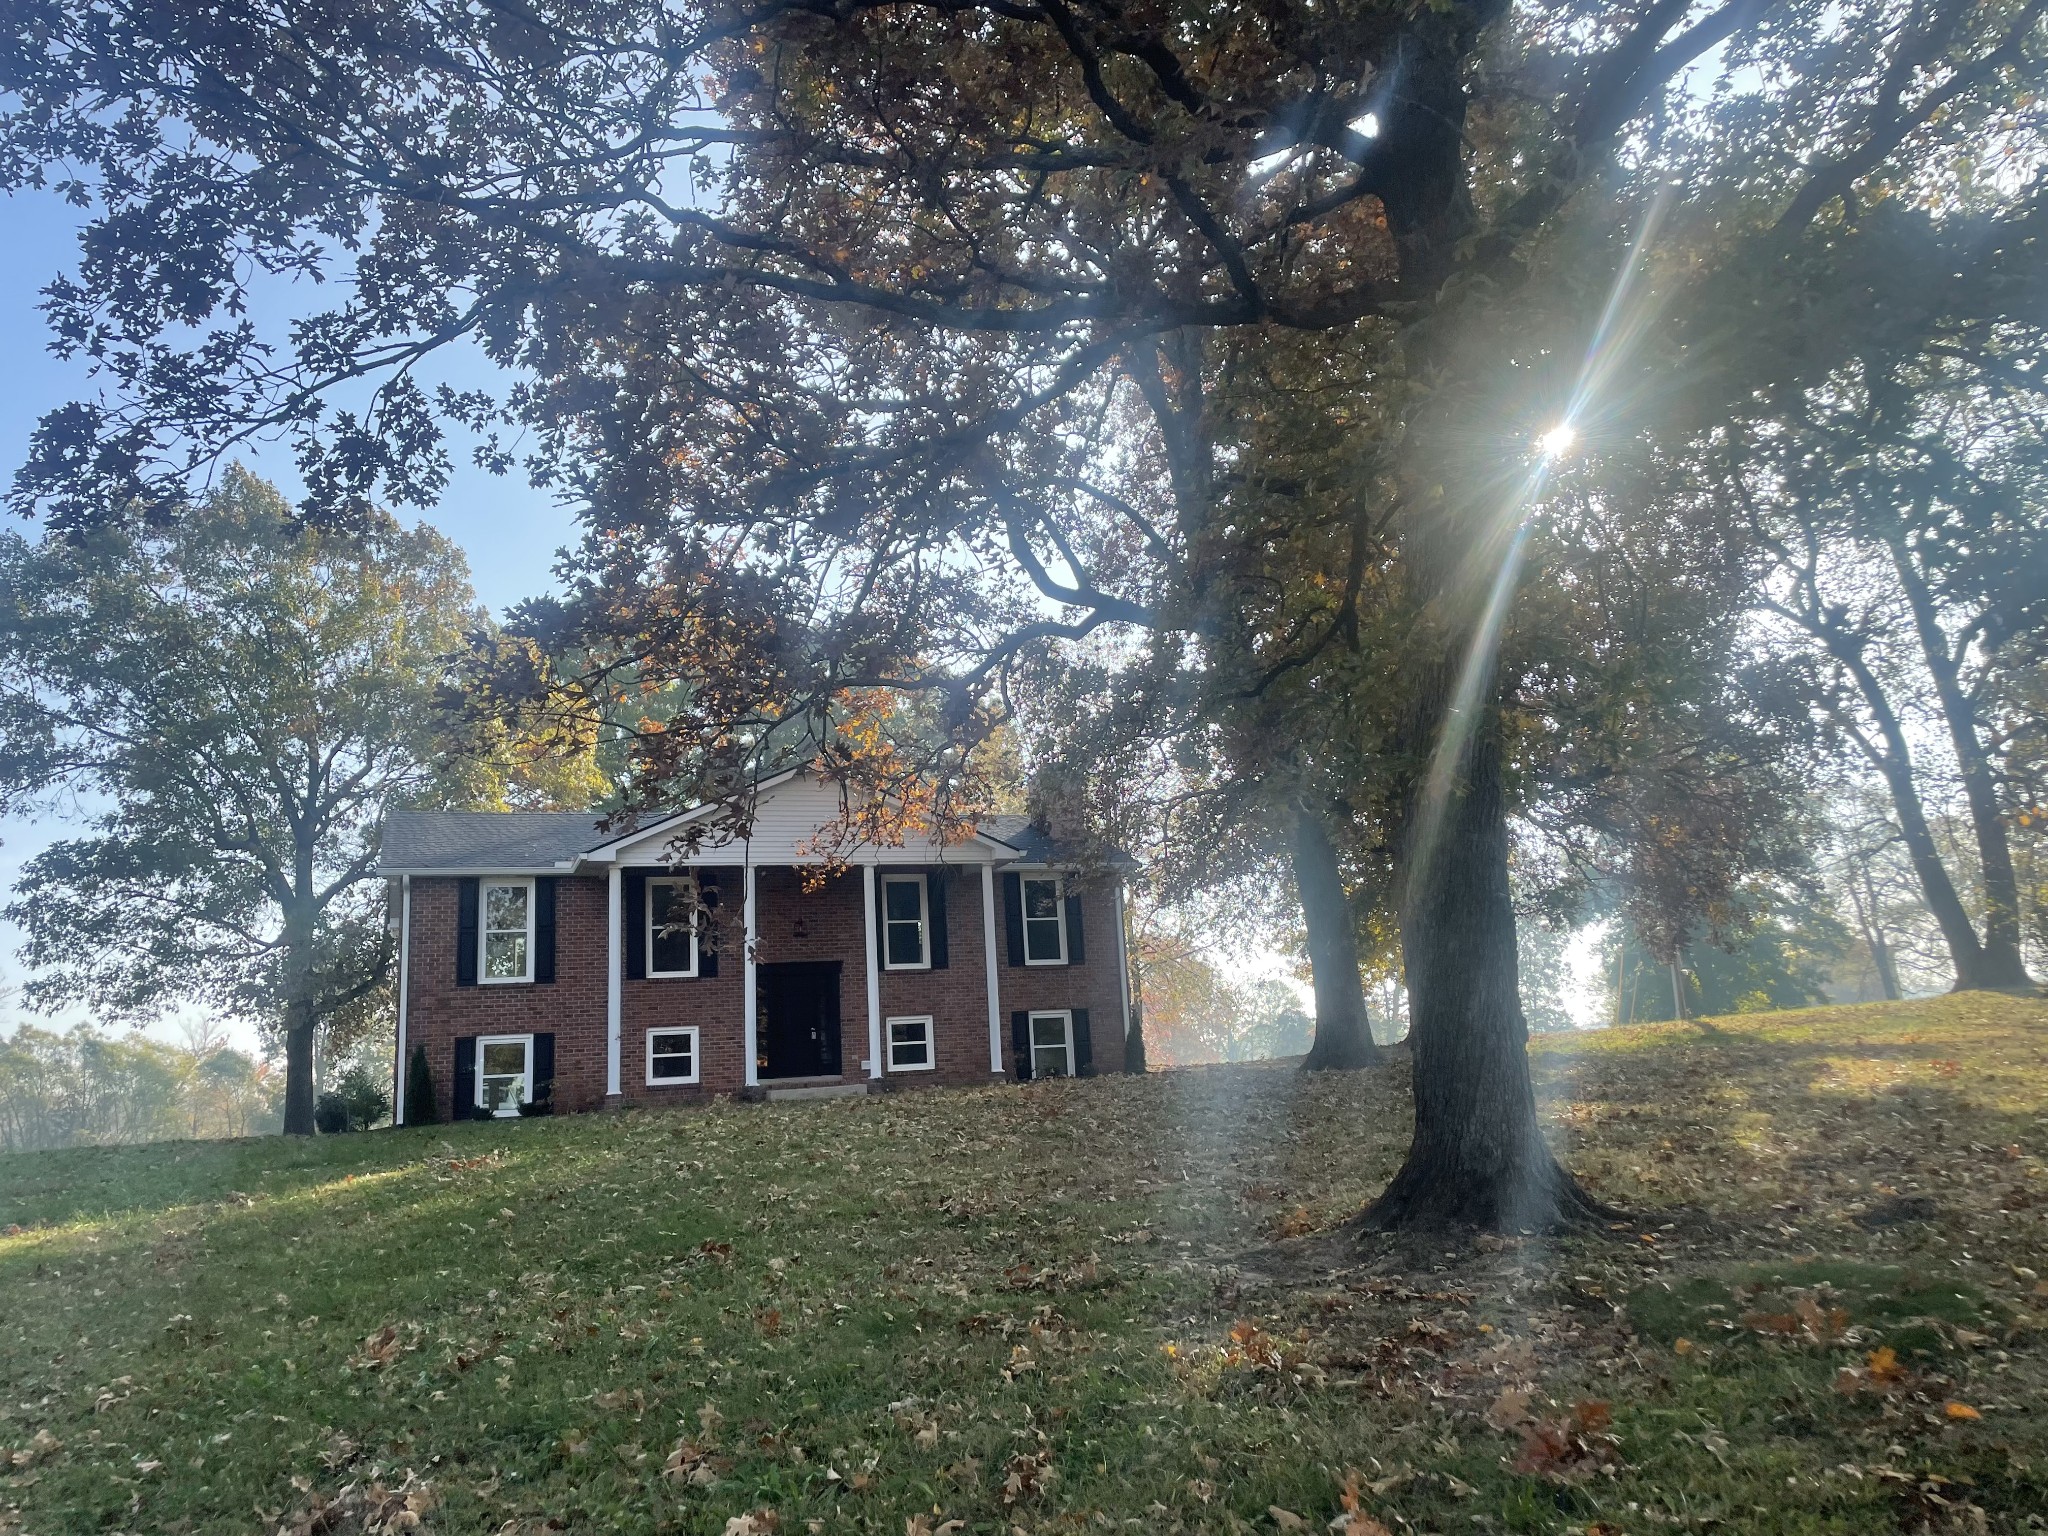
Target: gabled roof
(498, 842)
(1035, 845)
(548, 842)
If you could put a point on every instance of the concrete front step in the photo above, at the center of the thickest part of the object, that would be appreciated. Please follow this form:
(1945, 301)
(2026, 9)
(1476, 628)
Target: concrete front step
(814, 1089)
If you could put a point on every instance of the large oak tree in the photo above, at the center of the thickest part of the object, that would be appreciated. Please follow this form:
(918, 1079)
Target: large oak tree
(879, 313)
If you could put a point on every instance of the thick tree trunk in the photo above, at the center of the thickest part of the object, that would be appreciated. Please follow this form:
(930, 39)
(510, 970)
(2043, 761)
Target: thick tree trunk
(301, 1015)
(1343, 1038)
(1999, 964)
(298, 1079)
(1478, 1158)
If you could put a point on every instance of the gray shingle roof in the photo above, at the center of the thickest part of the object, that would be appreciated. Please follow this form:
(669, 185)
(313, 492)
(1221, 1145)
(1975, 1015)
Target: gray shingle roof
(494, 841)
(506, 842)
(1038, 846)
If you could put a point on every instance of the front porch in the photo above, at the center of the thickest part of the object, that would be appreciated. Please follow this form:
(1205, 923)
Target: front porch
(844, 972)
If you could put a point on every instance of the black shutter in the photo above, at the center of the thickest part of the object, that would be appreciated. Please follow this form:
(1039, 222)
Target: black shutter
(1020, 1042)
(544, 1066)
(635, 919)
(544, 928)
(935, 897)
(881, 956)
(1013, 916)
(1084, 1049)
(1077, 946)
(465, 1078)
(465, 931)
(707, 930)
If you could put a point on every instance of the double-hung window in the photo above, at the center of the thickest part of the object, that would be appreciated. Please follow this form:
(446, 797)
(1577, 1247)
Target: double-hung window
(910, 1044)
(1052, 1044)
(506, 932)
(504, 1073)
(906, 920)
(671, 1057)
(1045, 921)
(672, 927)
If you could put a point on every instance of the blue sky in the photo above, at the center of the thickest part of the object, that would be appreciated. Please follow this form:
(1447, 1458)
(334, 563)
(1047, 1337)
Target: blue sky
(509, 531)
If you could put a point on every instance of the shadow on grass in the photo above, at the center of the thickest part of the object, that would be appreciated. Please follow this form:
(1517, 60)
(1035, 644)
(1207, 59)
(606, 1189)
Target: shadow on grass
(46, 1189)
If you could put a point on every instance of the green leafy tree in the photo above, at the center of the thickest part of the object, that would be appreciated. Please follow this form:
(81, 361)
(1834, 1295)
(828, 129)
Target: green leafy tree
(885, 341)
(231, 700)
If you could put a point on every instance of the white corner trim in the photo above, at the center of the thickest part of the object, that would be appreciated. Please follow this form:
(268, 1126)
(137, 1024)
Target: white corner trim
(615, 906)
(988, 948)
(750, 1037)
(404, 975)
(874, 968)
(1123, 962)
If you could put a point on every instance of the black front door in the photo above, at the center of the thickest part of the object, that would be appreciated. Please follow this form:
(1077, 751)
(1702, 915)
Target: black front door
(797, 1018)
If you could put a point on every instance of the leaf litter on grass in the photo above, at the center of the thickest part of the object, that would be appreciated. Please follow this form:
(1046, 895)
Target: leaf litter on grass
(1111, 1296)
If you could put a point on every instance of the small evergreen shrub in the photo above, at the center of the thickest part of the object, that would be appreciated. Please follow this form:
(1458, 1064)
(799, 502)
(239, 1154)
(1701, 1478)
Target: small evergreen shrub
(542, 1102)
(420, 1107)
(330, 1115)
(362, 1091)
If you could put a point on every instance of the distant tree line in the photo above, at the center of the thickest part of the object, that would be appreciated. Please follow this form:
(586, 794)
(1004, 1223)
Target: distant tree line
(83, 1088)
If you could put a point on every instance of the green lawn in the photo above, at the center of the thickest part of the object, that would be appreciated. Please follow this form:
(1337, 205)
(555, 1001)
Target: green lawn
(1071, 1306)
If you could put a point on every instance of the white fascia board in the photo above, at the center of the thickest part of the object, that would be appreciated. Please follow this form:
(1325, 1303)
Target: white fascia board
(609, 851)
(566, 867)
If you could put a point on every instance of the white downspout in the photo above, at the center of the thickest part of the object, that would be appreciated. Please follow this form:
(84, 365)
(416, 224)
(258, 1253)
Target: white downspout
(1123, 965)
(614, 995)
(404, 977)
(988, 945)
(753, 1065)
(867, 876)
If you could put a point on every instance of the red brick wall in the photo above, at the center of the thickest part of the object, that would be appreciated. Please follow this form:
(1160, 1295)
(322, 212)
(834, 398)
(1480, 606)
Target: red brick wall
(1094, 984)
(715, 1004)
(438, 1012)
(955, 997)
(834, 927)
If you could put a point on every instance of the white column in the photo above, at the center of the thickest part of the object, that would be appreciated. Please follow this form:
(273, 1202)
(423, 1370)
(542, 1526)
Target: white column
(614, 970)
(404, 976)
(867, 883)
(988, 945)
(1123, 963)
(747, 911)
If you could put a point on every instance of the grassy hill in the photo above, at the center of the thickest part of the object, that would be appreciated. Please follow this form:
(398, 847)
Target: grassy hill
(1071, 1306)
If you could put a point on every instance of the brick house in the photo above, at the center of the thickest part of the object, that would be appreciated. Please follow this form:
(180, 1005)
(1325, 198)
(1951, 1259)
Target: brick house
(541, 958)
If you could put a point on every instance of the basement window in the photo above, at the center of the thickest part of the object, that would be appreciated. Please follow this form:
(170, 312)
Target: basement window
(1052, 1044)
(671, 1057)
(910, 1044)
(504, 1073)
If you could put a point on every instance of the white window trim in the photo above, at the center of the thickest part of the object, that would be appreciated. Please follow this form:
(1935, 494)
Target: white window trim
(525, 1078)
(484, 930)
(696, 1057)
(931, 1042)
(1066, 1018)
(696, 957)
(924, 922)
(1059, 909)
